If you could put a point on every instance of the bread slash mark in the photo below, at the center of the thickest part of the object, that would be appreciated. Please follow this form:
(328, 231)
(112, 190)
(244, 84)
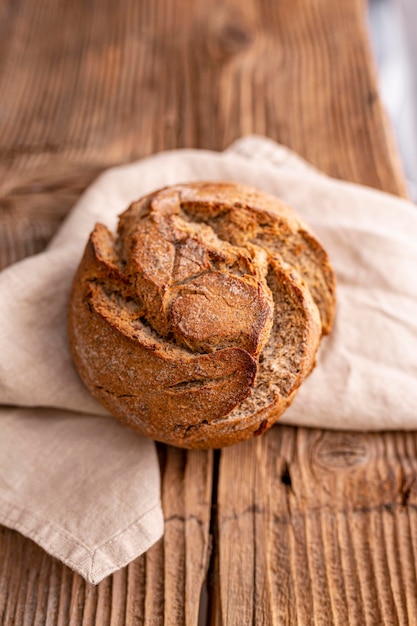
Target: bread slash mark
(192, 385)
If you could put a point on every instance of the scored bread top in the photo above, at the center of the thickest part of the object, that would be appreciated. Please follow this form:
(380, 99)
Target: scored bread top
(199, 321)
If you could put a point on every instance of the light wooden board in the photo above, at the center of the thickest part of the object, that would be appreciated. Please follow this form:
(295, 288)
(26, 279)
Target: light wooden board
(295, 527)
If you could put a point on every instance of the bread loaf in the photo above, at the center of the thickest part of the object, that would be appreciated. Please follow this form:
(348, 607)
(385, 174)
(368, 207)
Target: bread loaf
(198, 322)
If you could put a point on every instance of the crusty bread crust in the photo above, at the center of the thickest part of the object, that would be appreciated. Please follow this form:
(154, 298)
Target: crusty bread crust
(197, 323)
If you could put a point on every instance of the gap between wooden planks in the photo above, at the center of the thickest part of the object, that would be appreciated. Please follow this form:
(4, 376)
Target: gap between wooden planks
(306, 526)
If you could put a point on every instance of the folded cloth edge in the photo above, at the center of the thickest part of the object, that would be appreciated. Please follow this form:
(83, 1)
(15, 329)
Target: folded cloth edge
(92, 564)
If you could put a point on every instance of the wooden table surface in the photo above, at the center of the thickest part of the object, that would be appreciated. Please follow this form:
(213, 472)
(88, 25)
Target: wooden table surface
(298, 526)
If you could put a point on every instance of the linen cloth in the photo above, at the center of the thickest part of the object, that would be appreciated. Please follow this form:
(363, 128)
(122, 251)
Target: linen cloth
(86, 488)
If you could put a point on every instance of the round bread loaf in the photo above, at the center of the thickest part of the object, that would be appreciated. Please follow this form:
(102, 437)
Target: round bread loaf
(198, 322)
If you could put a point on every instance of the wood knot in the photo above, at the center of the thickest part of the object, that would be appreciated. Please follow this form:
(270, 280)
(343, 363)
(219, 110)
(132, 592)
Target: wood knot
(341, 450)
(229, 35)
(233, 38)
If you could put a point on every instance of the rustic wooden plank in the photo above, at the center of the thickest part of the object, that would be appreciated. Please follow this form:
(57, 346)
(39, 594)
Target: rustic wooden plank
(186, 502)
(89, 85)
(326, 525)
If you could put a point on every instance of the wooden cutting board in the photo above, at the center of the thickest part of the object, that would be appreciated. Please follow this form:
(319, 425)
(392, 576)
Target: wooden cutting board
(298, 526)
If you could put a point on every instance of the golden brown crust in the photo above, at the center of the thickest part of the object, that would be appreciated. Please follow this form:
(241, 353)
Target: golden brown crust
(245, 215)
(191, 326)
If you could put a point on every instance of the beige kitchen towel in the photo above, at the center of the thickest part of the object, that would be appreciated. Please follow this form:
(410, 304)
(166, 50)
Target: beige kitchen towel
(86, 488)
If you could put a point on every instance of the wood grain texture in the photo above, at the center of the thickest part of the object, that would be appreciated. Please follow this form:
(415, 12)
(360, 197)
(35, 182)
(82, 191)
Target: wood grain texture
(85, 85)
(309, 527)
(327, 528)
